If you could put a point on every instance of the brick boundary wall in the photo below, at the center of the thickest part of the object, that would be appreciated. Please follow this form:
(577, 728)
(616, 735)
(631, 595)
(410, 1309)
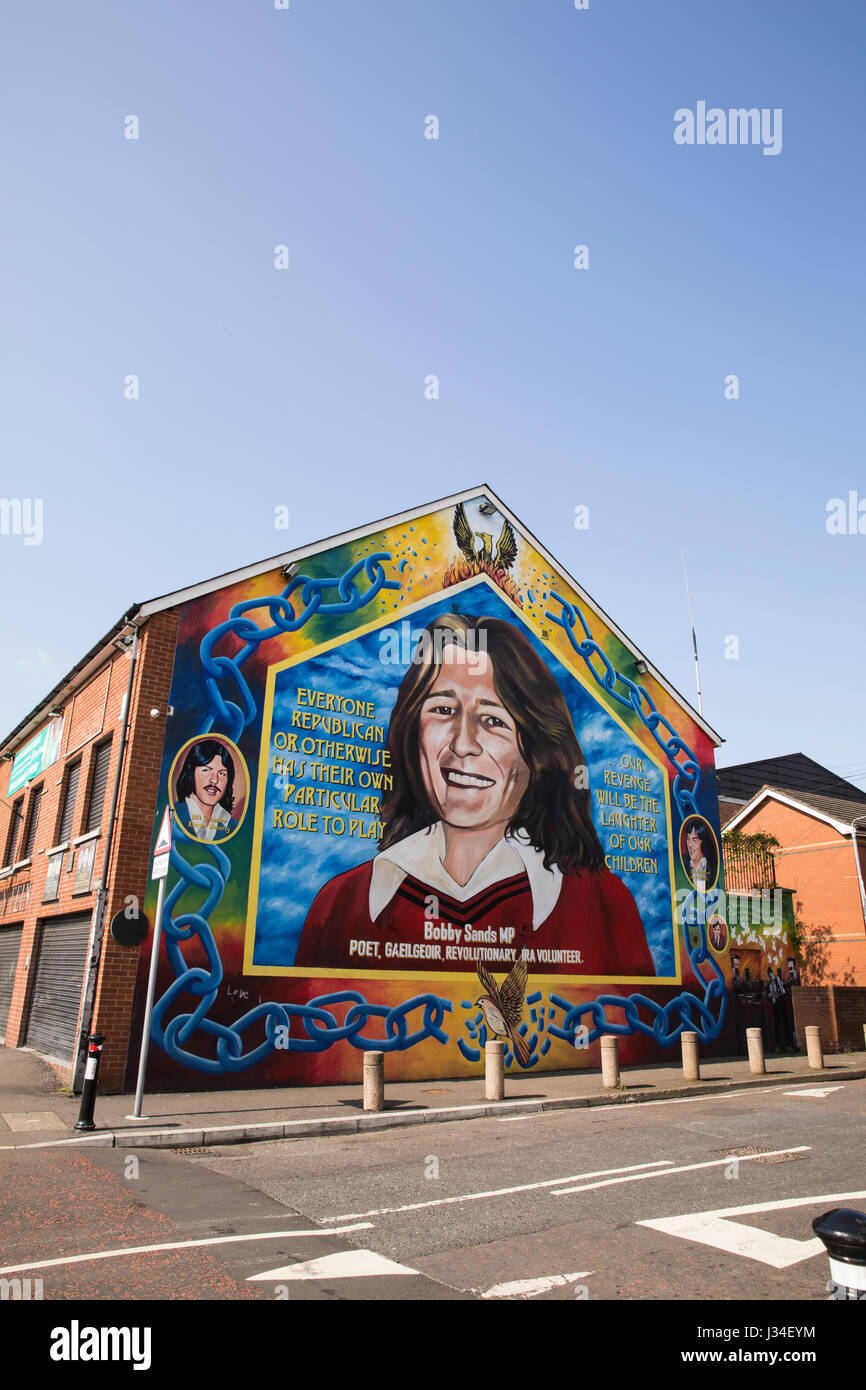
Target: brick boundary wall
(850, 1003)
(838, 1010)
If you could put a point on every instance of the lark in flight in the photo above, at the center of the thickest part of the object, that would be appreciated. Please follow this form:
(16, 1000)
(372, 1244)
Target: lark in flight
(502, 1006)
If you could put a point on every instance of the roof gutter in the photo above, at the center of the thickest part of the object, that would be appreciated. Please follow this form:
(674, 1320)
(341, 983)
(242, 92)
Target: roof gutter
(859, 867)
(97, 927)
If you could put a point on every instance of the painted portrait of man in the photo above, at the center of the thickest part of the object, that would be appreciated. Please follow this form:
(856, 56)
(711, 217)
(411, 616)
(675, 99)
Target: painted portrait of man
(205, 792)
(488, 826)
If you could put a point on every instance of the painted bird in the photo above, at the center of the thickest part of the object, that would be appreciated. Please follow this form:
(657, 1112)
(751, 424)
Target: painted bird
(503, 1005)
(506, 546)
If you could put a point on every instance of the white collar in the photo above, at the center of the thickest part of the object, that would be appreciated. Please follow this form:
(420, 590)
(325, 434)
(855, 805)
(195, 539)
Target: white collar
(421, 856)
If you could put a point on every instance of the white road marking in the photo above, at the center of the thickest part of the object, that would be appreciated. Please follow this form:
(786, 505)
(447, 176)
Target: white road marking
(183, 1245)
(530, 1288)
(345, 1264)
(735, 1238)
(686, 1168)
(715, 1229)
(496, 1192)
(819, 1091)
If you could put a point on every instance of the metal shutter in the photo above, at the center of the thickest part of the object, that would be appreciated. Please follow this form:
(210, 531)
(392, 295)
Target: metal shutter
(60, 970)
(97, 791)
(66, 819)
(30, 839)
(10, 944)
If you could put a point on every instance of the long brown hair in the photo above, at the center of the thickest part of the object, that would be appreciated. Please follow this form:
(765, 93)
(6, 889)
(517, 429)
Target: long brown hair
(555, 811)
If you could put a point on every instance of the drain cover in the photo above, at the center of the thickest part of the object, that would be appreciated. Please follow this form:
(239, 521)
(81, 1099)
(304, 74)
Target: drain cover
(760, 1155)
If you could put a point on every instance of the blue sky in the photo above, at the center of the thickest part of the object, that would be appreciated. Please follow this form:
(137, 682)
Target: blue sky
(558, 387)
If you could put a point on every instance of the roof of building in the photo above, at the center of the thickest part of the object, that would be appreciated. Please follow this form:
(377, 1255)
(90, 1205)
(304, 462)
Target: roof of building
(75, 677)
(846, 809)
(140, 612)
(839, 811)
(794, 772)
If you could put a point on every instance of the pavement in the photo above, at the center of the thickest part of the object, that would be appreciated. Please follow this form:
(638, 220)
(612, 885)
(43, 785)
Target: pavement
(35, 1111)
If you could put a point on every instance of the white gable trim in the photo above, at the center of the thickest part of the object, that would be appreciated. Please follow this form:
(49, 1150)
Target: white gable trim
(208, 586)
(771, 795)
(289, 557)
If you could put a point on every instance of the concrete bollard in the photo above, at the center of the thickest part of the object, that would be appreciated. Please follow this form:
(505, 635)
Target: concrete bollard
(813, 1047)
(691, 1063)
(494, 1071)
(609, 1061)
(755, 1040)
(374, 1081)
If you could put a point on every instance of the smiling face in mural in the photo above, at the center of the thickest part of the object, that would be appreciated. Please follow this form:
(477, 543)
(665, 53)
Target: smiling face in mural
(471, 763)
(211, 781)
(694, 847)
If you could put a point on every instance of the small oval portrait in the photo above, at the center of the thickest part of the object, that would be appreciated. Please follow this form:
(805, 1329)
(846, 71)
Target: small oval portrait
(718, 939)
(209, 788)
(699, 852)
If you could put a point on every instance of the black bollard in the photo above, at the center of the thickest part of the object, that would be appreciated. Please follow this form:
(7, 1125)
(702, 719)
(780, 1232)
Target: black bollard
(91, 1073)
(843, 1231)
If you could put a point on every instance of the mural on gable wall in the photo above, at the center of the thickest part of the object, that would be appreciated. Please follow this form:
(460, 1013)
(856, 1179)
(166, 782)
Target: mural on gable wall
(422, 798)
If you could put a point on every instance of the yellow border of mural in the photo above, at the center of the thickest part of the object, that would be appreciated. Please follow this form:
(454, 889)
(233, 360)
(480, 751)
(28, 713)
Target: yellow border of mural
(306, 972)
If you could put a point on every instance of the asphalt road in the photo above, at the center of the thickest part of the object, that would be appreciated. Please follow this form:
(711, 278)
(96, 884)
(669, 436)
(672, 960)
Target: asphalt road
(550, 1207)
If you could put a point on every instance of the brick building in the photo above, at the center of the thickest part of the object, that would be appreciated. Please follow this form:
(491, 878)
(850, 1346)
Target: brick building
(190, 686)
(78, 781)
(819, 820)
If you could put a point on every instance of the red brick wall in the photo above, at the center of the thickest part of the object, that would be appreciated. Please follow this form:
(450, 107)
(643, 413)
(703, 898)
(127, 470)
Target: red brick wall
(130, 857)
(53, 782)
(813, 1007)
(96, 718)
(838, 1010)
(818, 863)
(850, 1006)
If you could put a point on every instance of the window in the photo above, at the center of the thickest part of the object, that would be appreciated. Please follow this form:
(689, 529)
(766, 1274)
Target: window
(14, 830)
(97, 790)
(69, 795)
(30, 837)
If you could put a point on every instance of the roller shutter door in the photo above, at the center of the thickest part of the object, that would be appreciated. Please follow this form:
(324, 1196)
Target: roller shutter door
(10, 944)
(60, 970)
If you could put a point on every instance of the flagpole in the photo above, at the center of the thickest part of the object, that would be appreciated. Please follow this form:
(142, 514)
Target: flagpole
(694, 638)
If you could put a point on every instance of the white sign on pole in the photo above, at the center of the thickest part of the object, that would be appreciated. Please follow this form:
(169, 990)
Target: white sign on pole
(160, 866)
(163, 839)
